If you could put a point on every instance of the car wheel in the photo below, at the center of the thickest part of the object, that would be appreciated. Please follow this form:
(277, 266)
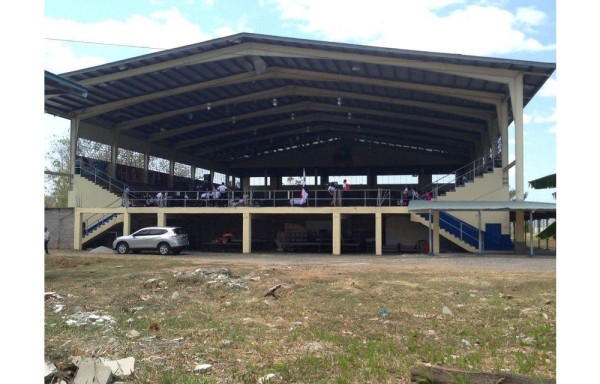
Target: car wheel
(164, 248)
(122, 248)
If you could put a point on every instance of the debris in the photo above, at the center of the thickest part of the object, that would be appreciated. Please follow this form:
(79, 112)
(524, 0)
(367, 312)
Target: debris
(154, 327)
(121, 367)
(91, 371)
(271, 292)
(49, 369)
(132, 334)
(175, 295)
(203, 368)
(447, 311)
(269, 378)
(102, 249)
(442, 375)
(383, 312)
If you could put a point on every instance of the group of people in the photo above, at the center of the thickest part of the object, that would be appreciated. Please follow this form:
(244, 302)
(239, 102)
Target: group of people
(412, 194)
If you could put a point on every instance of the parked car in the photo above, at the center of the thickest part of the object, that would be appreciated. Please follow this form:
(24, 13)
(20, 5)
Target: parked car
(162, 239)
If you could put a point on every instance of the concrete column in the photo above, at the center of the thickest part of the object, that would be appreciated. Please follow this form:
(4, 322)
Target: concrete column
(503, 122)
(378, 234)
(247, 233)
(436, 233)
(126, 223)
(161, 219)
(336, 231)
(74, 135)
(77, 240)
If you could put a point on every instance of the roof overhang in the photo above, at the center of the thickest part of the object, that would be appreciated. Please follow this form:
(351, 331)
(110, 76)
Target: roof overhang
(424, 206)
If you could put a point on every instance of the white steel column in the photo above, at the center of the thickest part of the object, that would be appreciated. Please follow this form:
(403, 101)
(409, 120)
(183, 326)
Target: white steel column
(516, 98)
(74, 135)
(114, 149)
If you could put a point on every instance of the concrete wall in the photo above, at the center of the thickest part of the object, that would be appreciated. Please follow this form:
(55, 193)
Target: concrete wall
(60, 223)
(487, 188)
(87, 194)
(399, 229)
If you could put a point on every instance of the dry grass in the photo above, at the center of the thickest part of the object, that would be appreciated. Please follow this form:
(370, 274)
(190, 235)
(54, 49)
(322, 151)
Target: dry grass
(328, 325)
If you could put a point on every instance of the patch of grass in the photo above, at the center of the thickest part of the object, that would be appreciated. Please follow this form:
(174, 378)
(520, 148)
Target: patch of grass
(326, 327)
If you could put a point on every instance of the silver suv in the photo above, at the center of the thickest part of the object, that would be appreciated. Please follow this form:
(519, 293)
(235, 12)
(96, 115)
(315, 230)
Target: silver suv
(163, 239)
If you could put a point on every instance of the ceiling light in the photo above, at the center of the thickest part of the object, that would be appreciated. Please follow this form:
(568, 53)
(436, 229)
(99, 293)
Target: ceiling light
(293, 116)
(349, 115)
(339, 101)
(274, 102)
(208, 106)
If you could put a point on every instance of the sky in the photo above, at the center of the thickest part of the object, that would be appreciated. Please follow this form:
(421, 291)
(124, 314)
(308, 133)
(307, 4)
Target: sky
(50, 35)
(81, 34)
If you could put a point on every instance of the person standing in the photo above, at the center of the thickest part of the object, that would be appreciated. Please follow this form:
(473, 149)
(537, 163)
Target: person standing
(345, 189)
(46, 240)
(126, 196)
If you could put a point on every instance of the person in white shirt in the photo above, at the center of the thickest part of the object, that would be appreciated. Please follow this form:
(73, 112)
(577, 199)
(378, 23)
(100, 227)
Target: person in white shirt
(160, 199)
(46, 239)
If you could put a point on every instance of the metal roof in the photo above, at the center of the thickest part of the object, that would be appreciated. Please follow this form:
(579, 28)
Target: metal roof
(421, 206)
(249, 102)
(55, 85)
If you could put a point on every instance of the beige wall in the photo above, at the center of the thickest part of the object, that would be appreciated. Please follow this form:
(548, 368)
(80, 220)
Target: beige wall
(88, 195)
(487, 188)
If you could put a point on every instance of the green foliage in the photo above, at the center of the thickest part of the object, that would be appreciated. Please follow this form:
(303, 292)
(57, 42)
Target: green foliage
(56, 186)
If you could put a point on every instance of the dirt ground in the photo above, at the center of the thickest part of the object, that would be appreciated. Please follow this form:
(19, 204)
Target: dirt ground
(509, 262)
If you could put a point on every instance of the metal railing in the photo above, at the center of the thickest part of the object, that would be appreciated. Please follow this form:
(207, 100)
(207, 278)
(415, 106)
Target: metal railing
(265, 198)
(462, 175)
(457, 228)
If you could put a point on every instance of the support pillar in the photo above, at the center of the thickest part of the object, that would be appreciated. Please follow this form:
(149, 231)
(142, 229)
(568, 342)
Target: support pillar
(77, 240)
(336, 232)
(378, 234)
(436, 233)
(114, 151)
(246, 233)
(74, 135)
(161, 219)
(126, 223)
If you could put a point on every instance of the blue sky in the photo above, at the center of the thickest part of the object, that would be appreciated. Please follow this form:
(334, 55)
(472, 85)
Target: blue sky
(523, 30)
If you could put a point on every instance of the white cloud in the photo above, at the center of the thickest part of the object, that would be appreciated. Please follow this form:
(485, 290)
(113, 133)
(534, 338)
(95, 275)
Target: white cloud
(161, 29)
(541, 119)
(552, 130)
(241, 25)
(59, 58)
(439, 26)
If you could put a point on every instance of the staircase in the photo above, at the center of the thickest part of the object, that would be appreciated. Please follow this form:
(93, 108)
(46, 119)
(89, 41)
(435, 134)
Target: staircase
(100, 226)
(482, 182)
(460, 233)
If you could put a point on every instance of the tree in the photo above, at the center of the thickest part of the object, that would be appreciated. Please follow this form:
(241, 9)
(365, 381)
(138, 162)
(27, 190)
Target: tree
(512, 194)
(57, 183)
